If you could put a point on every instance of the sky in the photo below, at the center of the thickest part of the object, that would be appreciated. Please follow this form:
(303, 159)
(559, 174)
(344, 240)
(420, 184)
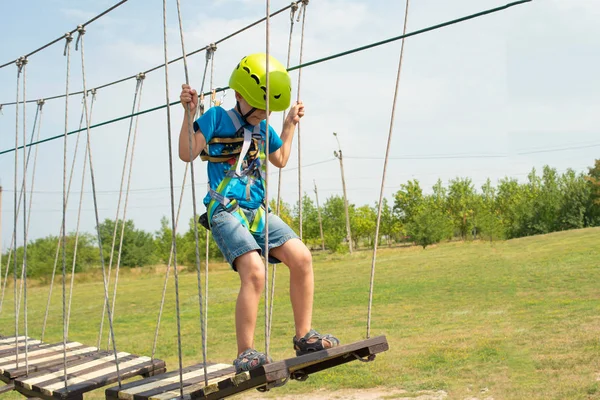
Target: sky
(488, 98)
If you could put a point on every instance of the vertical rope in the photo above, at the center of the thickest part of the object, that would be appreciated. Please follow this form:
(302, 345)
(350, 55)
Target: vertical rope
(192, 175)
(387, 152)
(140, 79)
(300, 194)
(164, 291)
(24, 266)
(85, 156)
(60, 234)
(18, 210)
(207, 244)
(19, 202)
(19, 64)
(267, 45)
(80, 40)
(293, 10)
(114, 236)
(173, 223)
(67, 53)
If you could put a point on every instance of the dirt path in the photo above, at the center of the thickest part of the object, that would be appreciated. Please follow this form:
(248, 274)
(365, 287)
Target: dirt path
(359, 394)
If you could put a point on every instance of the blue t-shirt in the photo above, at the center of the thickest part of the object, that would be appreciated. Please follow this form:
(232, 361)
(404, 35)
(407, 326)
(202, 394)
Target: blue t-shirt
(216, 123)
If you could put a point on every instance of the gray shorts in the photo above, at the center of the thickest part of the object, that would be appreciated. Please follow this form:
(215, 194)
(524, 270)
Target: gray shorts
(234, 239)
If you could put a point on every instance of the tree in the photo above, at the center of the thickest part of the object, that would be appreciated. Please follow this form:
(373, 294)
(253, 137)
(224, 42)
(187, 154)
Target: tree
(593, 181)
(363, 224)
(429, 225)
(138, 246)
(462, 205)
(489, 221)
(574, 202)
(408, 201)
(334, 222)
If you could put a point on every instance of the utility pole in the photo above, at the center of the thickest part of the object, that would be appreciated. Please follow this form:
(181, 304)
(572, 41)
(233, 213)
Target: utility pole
(338, 155)
(318, 211)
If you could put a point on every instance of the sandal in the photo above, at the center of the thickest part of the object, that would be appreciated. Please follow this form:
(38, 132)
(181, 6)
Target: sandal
(314, 341)
(249, 360)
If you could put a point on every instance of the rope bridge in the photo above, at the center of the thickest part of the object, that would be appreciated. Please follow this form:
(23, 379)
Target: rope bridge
(68, 369)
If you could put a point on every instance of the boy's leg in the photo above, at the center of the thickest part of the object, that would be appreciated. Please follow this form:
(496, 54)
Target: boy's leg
(241, 251)
(297, 257)
(252, 278)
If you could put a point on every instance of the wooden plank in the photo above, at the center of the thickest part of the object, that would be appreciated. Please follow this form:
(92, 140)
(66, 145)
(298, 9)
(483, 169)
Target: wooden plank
(10, 362)
(11, 349)
(87, 374)
(21, 343)
(11, 340)
(280, 370)
(50, 361)
(157, 385)
(56, 374)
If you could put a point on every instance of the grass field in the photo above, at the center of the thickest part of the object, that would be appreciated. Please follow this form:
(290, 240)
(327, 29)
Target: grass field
(517, 319)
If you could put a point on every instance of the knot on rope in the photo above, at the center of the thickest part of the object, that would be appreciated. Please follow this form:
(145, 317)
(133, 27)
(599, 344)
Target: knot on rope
(80, 33)
(41, 103)
(141, 76)
(20, 63)
(68, 40)
(303, 9)
(293, 10)
(93, 92)
(1, 105)
(210, 51)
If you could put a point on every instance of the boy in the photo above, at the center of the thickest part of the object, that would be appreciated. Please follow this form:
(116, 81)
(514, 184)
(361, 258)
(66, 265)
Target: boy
(235, 203)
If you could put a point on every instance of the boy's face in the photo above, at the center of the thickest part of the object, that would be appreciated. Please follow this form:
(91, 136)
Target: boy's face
(256, 117)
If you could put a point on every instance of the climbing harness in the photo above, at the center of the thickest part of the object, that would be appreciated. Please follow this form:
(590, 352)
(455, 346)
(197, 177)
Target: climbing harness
(247, 170)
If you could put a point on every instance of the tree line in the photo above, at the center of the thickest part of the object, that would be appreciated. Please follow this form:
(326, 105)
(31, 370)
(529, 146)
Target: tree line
(546, 202)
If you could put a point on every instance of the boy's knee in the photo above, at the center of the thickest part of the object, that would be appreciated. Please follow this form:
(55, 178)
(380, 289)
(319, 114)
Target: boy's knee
(251, 272)
(303, 259)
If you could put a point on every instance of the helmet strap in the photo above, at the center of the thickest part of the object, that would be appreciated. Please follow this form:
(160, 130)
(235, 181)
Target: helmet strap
(244, 116)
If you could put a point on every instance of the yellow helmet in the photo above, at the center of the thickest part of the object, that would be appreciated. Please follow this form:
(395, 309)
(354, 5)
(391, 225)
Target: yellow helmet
(249, 79)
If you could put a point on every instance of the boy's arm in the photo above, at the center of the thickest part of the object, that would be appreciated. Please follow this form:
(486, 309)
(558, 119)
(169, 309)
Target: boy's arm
(189, 97)
(280, 157)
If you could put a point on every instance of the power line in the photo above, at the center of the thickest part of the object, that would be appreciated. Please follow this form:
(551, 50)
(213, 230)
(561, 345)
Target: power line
(158, 66)
(63, 36)
(493, 10)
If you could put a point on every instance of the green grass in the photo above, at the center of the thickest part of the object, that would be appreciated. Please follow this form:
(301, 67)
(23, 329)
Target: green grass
(519, 318)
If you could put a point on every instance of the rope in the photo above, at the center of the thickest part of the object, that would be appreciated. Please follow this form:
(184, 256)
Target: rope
(310, 63)
(300, 219)
(387, 152)
(287, 65)
(207, 243)
(267, 94)
(60, 234)
(67, 53)
(193, 181)
(85, 155)
(161, 65)
(24, 265)
(140, 84)
(81, 32)
(173, 225)
(62, 37)
(19, 64)
(114, 235)
(164, 291)
(279, 172)
(3, 286)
